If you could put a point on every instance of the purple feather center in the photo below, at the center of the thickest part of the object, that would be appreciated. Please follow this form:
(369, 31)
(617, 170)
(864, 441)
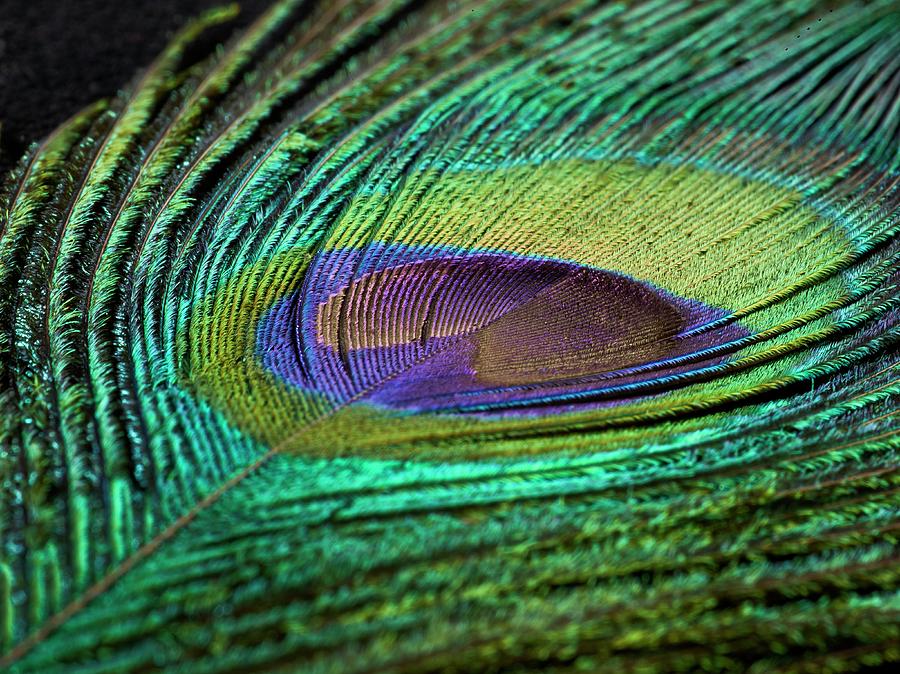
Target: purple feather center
(441, 330)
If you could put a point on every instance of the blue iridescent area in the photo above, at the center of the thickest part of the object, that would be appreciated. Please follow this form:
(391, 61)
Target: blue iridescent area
(446, 330)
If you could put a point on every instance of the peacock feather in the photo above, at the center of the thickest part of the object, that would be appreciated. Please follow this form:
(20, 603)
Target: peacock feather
(474, 336)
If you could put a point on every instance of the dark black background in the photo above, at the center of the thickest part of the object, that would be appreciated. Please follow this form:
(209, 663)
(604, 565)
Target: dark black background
(56, 56)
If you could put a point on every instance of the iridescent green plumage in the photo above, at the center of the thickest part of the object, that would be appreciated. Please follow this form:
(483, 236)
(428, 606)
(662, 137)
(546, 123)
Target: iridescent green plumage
(480, 336)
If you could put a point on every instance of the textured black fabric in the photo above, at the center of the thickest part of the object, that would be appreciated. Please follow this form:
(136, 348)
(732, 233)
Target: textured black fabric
(56, 56)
